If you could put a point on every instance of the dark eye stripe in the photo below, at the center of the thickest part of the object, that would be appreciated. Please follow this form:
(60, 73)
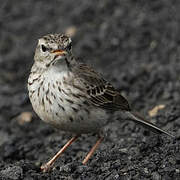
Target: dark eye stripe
(44, 48)
(69, 46)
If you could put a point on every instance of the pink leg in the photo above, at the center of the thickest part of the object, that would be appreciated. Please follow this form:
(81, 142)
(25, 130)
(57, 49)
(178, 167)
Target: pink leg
(92, 150)
(46, 167)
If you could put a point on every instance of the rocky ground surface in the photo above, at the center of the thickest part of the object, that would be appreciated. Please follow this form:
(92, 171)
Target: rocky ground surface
(136, 45)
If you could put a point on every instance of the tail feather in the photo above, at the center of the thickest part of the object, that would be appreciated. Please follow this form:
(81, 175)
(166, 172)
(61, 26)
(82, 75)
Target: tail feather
(139, 119)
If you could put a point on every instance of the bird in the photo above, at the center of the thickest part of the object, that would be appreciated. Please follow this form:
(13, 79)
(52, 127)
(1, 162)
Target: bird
(72, 96)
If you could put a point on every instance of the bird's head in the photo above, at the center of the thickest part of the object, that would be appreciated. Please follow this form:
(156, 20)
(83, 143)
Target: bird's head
(53, 50)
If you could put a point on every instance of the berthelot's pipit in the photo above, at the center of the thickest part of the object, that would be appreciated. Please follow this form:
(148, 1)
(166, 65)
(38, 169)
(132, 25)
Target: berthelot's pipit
(71, 95)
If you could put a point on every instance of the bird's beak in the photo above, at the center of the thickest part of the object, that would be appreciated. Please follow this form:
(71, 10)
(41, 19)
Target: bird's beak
(59, 52)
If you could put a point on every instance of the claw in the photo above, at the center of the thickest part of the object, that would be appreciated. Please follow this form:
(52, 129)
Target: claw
(46, 167)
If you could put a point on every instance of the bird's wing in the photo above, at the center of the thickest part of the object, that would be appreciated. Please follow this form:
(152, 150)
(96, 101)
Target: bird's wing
(100, 92)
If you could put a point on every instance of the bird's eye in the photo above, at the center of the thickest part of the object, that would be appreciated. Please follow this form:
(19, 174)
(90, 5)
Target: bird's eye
(69, 47)
(44, 48)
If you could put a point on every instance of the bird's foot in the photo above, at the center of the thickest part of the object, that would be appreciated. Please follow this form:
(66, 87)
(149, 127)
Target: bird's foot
(46, 167)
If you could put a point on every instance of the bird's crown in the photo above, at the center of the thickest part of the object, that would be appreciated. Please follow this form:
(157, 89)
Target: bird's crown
(61, 40)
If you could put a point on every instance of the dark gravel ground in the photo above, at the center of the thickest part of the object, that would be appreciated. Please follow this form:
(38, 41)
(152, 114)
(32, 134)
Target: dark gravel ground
(135, 44)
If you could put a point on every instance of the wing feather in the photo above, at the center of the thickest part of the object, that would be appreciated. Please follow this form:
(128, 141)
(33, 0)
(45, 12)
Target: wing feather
(100, 92)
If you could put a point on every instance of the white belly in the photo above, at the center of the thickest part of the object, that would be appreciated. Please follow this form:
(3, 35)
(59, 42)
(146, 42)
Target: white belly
(52, 101)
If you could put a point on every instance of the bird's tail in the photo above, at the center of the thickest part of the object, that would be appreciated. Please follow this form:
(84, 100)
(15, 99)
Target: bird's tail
(134, 116)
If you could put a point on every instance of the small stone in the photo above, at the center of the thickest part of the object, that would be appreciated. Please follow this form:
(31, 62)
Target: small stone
(24, 117)
(156, 176)
(146, 170)
(116, 176)
(153, 44)
(66, 168)
(71, 31)
(155, 110)
(177, 121)
(123, 150)
(81, 169)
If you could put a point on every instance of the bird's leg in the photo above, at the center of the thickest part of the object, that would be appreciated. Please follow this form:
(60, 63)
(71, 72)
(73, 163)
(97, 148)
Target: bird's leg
(92, 150)
(46, 167)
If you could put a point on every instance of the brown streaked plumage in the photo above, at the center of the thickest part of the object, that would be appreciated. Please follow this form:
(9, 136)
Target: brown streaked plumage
(72, 96)
(100, 92)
